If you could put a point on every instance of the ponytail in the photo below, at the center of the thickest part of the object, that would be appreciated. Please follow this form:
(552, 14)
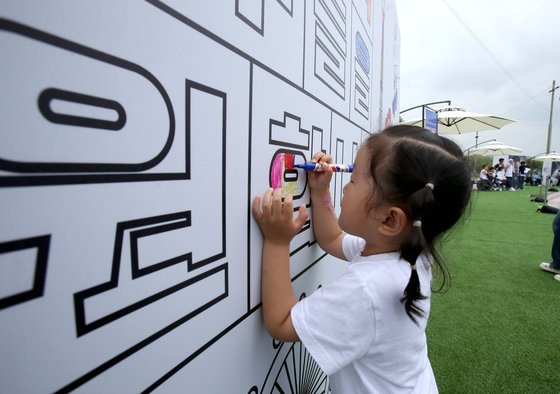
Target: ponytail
(419, 204)
(410, 251)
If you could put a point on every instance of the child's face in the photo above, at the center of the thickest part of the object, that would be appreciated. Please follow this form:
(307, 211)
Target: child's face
(353, 218)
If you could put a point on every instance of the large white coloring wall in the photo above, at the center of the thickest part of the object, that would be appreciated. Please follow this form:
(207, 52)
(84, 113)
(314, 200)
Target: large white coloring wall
(133, 137)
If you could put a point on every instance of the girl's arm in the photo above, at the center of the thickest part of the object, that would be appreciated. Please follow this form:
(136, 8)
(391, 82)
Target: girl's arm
(325, 224)
(279, 227)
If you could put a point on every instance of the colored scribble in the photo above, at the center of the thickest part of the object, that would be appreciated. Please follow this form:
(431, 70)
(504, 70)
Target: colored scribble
(283, 175)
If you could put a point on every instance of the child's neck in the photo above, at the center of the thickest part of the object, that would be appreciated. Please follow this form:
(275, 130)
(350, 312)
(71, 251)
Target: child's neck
(372, 249)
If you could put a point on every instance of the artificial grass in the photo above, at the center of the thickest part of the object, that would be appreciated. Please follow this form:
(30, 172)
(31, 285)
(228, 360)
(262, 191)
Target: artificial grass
(495, 330)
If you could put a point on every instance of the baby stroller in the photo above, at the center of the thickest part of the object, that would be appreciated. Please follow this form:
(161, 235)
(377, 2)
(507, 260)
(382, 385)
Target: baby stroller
(484, 184)
(494, 182)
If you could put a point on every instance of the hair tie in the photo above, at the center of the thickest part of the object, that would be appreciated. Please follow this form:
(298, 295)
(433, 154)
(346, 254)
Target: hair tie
(417, 223)
(413, 267)
(429, 185)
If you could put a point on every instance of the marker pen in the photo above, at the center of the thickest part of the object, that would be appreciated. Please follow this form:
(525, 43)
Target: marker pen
(317, 167)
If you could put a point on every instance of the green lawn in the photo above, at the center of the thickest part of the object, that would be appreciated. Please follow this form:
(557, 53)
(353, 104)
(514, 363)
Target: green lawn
(497, 328)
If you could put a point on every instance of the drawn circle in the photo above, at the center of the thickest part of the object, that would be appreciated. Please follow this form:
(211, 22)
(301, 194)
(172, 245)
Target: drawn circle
(276, 178)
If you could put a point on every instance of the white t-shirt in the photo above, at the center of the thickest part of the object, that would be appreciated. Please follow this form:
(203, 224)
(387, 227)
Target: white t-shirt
(509, 170)
(357, 330)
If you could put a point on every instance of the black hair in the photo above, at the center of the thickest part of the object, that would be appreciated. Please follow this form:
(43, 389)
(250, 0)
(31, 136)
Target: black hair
(424, 159)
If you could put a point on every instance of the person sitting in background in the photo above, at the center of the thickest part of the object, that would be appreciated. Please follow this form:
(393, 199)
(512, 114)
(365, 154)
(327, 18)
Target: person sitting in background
(484, 183)
(537, 179)
(492, 179)
(555, 177)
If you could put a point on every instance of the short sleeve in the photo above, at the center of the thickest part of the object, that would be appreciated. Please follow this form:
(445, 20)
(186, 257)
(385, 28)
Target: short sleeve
(352, 246)
(336, 323)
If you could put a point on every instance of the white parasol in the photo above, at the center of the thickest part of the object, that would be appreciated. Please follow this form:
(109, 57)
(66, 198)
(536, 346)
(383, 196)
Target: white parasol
(494, 149)
(457, 120)
(549, 156)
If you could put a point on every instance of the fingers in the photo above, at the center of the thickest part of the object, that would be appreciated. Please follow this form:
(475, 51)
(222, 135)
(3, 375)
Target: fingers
(327, 169)
(276, 217)
(321, 157)
(302, 216)
(257, 212)
(277, 203)
(288, 209)
(267, 203)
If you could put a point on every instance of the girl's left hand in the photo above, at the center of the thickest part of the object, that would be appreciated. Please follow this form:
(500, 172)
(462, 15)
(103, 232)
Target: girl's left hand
(276, 219)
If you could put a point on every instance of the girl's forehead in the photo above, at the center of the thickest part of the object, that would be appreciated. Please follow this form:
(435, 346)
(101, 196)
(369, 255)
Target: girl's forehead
(362, 160)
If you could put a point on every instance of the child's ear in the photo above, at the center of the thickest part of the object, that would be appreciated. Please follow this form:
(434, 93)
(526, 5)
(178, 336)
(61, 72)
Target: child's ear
(394, 222)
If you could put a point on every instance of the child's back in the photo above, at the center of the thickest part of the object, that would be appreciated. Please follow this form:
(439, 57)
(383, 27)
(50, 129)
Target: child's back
(378, 349)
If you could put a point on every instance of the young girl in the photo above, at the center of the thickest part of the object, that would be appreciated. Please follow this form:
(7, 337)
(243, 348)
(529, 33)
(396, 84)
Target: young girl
(366, 330)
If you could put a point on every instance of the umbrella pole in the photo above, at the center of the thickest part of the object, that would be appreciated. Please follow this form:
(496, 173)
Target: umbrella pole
(546, 191)
(554, 87)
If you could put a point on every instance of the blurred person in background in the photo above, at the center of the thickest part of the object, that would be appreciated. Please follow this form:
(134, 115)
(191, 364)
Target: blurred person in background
(521, 175)
(554, 265)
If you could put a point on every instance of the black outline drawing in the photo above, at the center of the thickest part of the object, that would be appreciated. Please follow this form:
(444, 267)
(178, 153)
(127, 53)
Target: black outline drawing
(297, 372)
(279, 124)
(249, 214)
(107, 168)
(154, 337)
(177, 219)
(102, 178)
(164, 223)
(190, 85)
(308, 145)
(50, 94)
(137, 272)
(355, 147)
(41, 243)
(362, 72)
(338, 176)
(300, 372)
(331, 49)
(290, 9)
(361, 88)
(315, 129)
(260, 27)
(380, 120)
(162, 6)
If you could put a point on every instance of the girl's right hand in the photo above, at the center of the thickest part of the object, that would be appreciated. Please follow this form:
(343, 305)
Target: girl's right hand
(320, 181)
